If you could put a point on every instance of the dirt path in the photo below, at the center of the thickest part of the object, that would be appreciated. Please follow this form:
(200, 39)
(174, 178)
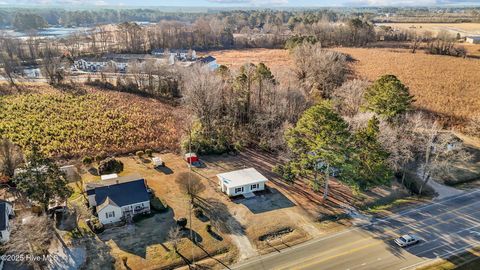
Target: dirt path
(241, 241)
(305, 224)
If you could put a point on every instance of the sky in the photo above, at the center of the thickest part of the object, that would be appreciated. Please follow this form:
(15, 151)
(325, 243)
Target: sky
(243, 3)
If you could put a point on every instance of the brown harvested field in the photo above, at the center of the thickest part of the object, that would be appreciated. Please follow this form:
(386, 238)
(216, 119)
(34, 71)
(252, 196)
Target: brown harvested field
(278, 60)
(472, 49)
(444, 85)
(464, 29)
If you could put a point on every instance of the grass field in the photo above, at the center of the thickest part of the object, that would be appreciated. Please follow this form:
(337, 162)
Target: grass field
(95, 122)
(444, 85)
(465, 29)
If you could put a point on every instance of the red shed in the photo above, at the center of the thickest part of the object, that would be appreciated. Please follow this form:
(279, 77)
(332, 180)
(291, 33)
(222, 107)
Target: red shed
(191, 158)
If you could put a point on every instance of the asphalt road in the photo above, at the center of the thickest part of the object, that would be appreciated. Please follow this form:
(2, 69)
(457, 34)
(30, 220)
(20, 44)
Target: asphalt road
(446, 227)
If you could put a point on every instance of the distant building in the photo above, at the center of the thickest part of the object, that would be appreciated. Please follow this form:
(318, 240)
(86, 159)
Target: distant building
(209, 61)
(178, 54)
(241, 182)
(119, 198)
(473, 39)
(6, 212)
(95, 65)
(32, 72)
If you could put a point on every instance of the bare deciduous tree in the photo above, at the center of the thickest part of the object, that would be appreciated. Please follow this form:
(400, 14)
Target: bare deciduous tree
(9, 67)
(348, 98)
(31, 235)
(53, 67)
(440, 151)
(319, 71)
(190, 184)
(10, 157)
(174, 237)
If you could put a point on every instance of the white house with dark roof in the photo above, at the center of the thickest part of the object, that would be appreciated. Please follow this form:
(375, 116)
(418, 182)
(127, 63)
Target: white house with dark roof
(6, 212)
(241, 182)
(210, 62)
(119, 198)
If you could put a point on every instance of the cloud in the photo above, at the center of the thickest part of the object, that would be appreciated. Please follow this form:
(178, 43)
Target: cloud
(251, 2)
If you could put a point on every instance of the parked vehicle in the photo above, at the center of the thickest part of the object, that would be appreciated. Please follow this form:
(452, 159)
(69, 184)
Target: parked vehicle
(407, 240)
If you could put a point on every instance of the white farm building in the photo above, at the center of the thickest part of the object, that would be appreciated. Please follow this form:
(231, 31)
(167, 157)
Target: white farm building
(473, 39)
(241, 182)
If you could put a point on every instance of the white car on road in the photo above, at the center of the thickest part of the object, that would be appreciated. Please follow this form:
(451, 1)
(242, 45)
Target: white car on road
(407, 240)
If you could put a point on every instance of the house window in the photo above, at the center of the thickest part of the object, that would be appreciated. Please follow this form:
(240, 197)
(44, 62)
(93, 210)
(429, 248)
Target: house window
(254, 186)
(238, 189)
(110, 214)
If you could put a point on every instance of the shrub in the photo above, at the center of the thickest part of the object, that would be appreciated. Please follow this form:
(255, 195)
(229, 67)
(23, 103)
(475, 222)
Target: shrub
(285, 171)
(158, 205)
(208, 228)
(87, 160)
(198, 212)
(182, 223)
(149, 152)
(98, 158)
(139, 154)
(96, 226)
(110, 165)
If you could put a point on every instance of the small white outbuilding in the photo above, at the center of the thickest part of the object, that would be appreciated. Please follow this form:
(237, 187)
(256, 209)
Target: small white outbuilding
(241, 182)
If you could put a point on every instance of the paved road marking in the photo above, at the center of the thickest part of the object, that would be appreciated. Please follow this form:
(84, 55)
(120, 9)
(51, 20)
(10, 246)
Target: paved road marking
(423, 251)
(456, 251)
(365, 246)
(333, 256)
(400, 214)
(416, 254)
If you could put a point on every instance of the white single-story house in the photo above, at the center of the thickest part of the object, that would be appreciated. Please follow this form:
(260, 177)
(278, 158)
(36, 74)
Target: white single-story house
(241, 182)
(473, 39)
(119, 198)
(6, 212)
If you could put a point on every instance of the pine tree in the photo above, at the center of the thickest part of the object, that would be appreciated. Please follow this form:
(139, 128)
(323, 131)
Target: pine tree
(388, 97)
(318, 142)
(368, 160)
(42, 180)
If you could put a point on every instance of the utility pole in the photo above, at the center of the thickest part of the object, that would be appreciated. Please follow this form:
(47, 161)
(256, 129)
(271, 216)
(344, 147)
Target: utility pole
(189, 188)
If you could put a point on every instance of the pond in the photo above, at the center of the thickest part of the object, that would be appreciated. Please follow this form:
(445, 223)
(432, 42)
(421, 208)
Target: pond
(50, 32)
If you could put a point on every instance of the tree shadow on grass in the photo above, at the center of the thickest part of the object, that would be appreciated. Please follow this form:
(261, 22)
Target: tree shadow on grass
(164, 169)
(220, 216)
(93, 171)
(137, 237)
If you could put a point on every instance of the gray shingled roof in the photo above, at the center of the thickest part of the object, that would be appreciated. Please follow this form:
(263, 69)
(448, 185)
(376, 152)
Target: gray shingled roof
(122, 194)
(3, 216)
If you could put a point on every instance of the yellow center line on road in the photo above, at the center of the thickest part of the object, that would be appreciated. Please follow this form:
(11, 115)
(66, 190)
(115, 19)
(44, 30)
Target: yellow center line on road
(371, 238)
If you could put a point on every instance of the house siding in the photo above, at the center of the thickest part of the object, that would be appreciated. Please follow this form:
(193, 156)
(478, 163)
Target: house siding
(246, 189)
(122, 212)
(102, 214)
(5, 234)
